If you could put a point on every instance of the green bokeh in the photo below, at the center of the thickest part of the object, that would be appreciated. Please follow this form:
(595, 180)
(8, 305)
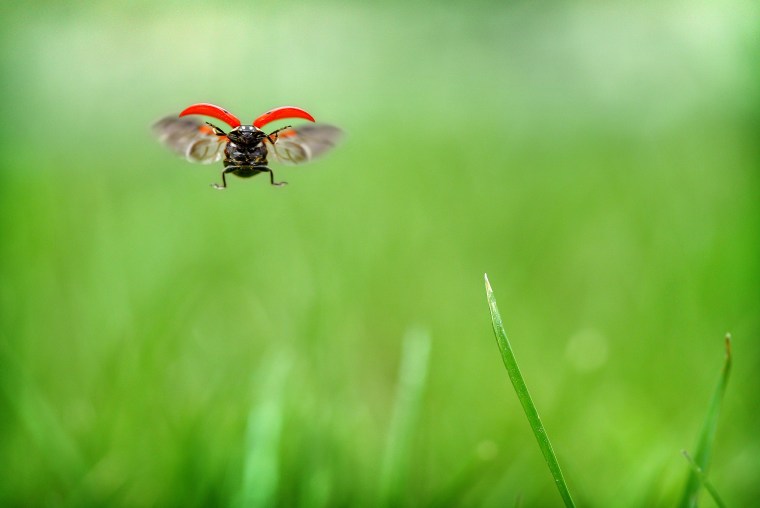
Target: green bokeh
(162, 343)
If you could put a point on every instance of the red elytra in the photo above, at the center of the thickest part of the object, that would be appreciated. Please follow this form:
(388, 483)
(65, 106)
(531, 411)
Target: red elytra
(231, 120)
(280, 113)
(213, 111)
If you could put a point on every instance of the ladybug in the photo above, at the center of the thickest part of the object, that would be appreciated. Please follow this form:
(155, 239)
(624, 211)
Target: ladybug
(245, 148)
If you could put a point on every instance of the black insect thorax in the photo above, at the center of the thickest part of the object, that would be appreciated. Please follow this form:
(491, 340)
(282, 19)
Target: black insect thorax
(245, 147)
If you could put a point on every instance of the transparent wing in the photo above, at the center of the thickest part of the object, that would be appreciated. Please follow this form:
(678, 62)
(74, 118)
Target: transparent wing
(190, 138)
(304, 143)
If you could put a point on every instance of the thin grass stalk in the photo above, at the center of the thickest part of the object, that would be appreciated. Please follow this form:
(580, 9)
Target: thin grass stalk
(412, 378)
(261, 468)
(703, 479)
(707, 435)
(523, 395)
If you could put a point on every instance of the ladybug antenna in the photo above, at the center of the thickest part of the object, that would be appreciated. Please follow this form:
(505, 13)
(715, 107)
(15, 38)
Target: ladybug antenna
(204, 108)
(280, 113)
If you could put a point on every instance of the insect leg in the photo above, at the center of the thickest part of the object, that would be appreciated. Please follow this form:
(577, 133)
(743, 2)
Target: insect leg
(276, 134)
(217, 130)
(224, 180)
(271, 176)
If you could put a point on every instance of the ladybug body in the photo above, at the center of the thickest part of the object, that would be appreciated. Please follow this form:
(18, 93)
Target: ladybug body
(246, 148)
(245, 154)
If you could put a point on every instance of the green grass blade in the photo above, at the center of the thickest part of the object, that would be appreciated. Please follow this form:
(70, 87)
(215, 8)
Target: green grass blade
(411, 383)
(524, 396)
(707, 436)
(261, 468)
(695, 469)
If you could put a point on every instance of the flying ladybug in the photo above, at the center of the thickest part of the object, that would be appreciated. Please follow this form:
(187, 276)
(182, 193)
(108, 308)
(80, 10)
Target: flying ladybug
(245, 148)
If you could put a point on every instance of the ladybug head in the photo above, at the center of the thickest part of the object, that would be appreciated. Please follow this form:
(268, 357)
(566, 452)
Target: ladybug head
(246, 135)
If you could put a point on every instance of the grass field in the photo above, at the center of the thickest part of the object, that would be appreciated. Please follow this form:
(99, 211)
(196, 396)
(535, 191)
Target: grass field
(329, 343)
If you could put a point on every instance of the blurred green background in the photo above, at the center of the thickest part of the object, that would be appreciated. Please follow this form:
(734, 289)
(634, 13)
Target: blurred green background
(165, 344)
